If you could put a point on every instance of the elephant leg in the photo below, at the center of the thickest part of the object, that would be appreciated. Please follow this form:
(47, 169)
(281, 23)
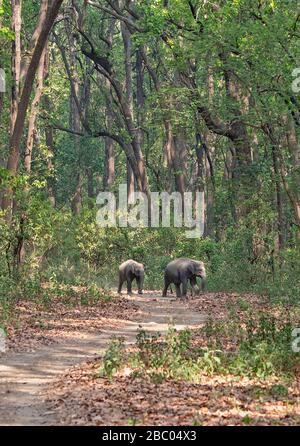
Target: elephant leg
(178, 290)
(129, 286)
(193, 283)
(165, 290)
(140, 285)
(184, 287)
(121, 281)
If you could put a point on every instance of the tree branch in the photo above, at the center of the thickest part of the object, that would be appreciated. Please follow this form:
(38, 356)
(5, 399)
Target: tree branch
(116, 15)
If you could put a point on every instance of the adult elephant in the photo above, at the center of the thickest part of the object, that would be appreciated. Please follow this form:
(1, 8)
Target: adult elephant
(181, 270)
(129, 271)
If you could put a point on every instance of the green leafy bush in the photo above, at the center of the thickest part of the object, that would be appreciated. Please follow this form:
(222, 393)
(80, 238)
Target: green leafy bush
(113, 358)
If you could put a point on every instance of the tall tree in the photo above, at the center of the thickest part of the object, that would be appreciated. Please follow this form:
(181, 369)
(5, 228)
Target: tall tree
(22, 106)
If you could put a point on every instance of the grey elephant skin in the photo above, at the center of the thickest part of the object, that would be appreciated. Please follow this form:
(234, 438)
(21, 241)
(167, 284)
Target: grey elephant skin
(129, 271)
(182, 270)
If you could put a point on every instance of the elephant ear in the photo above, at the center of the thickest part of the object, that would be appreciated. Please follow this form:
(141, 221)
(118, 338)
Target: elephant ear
(192, 268)
(132, 268)
(135, 268)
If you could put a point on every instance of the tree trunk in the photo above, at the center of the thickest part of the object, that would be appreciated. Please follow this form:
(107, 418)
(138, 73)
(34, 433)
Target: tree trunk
(90, 182)
(40, 23)
(109, 163)
(75, 125)
(291, 192)
(279, 204)
(132, 150)
(34, 111)
(179, 161)
(76, 203)
(209, 148)
(129, 97)
(169, 151)
(140, 97)
(49, 139)
(50, 165)
(130, 180)
(109, 167)
(15, 140)
(16, 60)
(1, 80)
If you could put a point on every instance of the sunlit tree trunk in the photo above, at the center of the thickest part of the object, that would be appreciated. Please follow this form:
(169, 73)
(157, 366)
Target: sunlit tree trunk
(109, 164)
(1, 67)
(75, 125)
(50, 165)
(34, 112)
(19, 121)
(129, 96)
(16, 60)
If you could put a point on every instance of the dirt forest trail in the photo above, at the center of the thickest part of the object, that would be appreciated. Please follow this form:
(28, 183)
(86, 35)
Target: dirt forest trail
(25, 377)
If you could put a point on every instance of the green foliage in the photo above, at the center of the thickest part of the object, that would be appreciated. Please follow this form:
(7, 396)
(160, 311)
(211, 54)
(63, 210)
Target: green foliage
(279, 390)
(113, 358)
(5, 31)
(172, 357)
(91, 295)
(264, 343)
(156, 354)
(132, 422)
(263, 349)
(233, 264)
(247, 420)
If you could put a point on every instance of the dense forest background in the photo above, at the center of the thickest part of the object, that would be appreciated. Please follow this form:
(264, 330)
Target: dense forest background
(165, 95)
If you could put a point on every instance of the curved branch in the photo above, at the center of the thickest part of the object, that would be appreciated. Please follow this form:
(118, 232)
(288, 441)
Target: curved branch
(116, 15)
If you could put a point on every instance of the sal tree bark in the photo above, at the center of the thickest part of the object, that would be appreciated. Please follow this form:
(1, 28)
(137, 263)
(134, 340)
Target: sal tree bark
(15, 140)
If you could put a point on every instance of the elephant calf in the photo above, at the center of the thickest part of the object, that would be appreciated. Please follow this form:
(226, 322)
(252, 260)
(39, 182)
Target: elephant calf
(129, 271)
(179, 271)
